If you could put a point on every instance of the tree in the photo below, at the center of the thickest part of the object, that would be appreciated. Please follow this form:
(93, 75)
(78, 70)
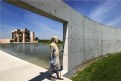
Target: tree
(36, 38)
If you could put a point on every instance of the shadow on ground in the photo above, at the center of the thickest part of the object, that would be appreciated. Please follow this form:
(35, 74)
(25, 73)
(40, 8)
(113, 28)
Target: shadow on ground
(41, 77)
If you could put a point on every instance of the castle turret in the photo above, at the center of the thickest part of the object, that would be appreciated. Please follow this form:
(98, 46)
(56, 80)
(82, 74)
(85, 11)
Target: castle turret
(32, 36)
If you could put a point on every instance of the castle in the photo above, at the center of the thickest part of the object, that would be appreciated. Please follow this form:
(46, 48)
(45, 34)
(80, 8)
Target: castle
(22, 36)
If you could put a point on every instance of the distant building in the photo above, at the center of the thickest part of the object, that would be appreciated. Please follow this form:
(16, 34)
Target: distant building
(22, 36)
(4, 41)
(32, 36)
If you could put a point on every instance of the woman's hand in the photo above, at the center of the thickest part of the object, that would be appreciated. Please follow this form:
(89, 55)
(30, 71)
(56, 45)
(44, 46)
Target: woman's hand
(61, 50)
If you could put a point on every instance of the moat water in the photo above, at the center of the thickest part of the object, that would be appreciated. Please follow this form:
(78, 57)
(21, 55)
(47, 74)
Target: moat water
(37, 54)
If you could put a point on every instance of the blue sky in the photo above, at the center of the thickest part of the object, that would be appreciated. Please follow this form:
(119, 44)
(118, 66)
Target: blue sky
(107, 12)
(13, 17)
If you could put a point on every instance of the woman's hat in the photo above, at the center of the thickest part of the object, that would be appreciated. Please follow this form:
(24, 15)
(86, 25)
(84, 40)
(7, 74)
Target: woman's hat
(54, 38)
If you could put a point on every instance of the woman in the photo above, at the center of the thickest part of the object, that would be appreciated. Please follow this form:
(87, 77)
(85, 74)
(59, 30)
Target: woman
(54, 58)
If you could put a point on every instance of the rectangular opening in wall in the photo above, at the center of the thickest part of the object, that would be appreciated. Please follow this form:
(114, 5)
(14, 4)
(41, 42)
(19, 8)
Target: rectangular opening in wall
(26, 35)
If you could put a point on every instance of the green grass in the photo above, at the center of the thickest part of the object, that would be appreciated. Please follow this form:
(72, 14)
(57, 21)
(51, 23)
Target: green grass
(60, 43)
(108, 68)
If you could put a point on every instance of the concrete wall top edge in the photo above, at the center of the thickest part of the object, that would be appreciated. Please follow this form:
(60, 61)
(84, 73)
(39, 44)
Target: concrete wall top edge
(100, 23)
(89, 18)
(55, 17)
(73, 12)
(30, 5)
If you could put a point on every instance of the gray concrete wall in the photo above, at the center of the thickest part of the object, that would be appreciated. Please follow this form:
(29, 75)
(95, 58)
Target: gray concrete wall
(84, 39)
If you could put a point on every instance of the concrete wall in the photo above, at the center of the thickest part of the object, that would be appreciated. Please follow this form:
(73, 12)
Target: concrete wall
(84, 39)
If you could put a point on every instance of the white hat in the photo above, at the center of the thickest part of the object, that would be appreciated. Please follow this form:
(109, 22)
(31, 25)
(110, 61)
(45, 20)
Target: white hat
(54, 38)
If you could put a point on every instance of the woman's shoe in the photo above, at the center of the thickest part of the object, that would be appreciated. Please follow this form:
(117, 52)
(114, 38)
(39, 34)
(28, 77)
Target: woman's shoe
(52, 78)
(60, 78)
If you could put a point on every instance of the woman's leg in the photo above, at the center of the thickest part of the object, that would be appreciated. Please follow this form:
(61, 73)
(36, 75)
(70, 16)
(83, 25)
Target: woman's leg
(57, 73)
(58, 77)
(50, 70)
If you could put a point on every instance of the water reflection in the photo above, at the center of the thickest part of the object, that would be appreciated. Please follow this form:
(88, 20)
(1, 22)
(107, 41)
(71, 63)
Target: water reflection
(35, 53)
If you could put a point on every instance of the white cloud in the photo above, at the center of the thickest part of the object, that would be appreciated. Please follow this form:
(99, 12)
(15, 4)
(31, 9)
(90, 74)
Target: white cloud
(108, 13)
(100, 13)
(46, 26)
(115, 23)
(46, 32)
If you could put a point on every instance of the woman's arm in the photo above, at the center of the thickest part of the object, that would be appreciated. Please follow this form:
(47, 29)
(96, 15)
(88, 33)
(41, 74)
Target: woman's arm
(61, 50)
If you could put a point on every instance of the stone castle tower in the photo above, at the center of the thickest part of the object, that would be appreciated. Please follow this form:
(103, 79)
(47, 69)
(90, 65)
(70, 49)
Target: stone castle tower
(22, 36)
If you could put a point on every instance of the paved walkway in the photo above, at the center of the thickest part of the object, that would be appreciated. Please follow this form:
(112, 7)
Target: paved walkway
(15, 69)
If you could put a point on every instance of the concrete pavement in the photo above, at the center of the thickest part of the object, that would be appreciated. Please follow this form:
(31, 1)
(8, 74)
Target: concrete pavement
(15, 69)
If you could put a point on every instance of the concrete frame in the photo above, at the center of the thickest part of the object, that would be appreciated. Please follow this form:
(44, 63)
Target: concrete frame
(84, 39)
(65, 32)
